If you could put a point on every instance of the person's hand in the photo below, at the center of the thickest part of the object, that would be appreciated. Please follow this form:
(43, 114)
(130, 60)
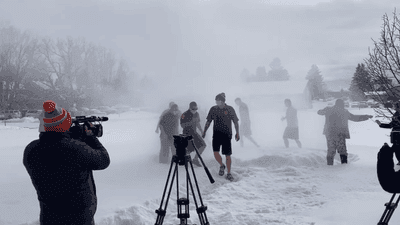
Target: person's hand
(203, 135)
(88, 130)
(237, 137)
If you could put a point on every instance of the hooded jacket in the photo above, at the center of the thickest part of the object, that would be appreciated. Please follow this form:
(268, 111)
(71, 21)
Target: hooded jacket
(61, 172)
(336, 120)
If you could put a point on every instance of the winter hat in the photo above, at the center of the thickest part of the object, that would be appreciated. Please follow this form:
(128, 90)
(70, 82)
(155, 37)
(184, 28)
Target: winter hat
(192, 105)
(55, 118)
(339, 103)
(220, 96)
(174, 107)
(171, 104)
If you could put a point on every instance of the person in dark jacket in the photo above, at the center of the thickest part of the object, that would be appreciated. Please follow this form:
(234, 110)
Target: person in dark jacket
(60, 168)
(190, 122)
(395, 134)
(388, 178)
(169, 126)
(336, 129)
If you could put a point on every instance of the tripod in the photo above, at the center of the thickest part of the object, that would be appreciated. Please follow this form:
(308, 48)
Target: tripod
(183, 159)
(390, 207)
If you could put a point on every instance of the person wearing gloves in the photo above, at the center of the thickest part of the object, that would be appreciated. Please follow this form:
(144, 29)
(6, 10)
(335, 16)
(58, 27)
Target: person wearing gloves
(61, 169)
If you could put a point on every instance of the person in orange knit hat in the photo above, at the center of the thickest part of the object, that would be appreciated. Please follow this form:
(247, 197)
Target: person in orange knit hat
(61, 169)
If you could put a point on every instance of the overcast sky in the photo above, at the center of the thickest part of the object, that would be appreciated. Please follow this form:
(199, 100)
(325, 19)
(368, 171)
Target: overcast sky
(214, 38)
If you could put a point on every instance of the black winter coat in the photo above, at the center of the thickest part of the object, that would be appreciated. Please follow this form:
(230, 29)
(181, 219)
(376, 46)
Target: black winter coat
(388, 178)
(61, 172)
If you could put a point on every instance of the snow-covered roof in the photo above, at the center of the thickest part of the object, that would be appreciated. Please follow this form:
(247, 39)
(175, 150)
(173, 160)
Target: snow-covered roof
(274, 87)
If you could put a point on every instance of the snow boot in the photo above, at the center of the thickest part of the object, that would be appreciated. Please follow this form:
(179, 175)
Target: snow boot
(221, 170)
(229, 177)
(329, 160)
(343, 158)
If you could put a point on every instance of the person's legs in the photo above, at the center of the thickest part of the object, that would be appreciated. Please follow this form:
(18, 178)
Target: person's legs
(216, 145)
(228, 163)
(286, 141)
(163, 156)
(218, 157)
(251, 139)
(227, 151)
(298, 143)
(286, 135)
(331, 150)
(341, 148)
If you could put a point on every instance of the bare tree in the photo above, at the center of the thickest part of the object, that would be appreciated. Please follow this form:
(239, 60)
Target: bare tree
(64, 59)
(383, 66)
(17, 52)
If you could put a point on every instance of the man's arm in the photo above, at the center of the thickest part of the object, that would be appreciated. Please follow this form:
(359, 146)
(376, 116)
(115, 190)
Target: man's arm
(359, 118)
(206, 127)
(237, 136)
(92, 153)
(323, 111)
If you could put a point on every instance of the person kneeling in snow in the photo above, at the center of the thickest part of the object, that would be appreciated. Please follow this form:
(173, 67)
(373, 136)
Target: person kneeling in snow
(336, 129)
(60, 168)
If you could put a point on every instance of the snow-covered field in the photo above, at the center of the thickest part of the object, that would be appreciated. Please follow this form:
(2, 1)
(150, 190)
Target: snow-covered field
(273, 185)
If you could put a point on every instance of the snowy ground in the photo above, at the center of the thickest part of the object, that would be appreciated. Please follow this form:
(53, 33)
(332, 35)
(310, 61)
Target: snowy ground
(273, 185)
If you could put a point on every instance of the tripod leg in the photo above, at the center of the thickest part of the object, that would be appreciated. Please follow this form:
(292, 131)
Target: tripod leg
(390, 207)
(201, 211)
(161, 212)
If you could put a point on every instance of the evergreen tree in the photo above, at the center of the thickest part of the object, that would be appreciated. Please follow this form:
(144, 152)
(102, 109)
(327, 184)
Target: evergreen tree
(277, 72)
(360, 83)
(315, 82)
(261, 74)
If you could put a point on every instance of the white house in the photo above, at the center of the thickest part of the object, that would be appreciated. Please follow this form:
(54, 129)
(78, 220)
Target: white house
(271, 95)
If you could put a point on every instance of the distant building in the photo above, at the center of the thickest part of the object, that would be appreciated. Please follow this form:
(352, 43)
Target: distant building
(272, 94)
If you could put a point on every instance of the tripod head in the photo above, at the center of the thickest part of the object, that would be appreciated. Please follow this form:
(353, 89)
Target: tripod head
(180, 143)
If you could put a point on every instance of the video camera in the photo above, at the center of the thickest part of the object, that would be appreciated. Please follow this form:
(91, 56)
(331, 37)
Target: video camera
(91, 122)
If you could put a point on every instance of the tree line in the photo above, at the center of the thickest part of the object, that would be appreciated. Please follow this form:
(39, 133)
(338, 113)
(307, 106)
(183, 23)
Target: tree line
(68, 70)
(378, 78)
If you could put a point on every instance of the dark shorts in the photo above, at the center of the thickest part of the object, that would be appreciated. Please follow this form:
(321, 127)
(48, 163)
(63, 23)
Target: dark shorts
(198, 142)
(225, 142)
(291, 133)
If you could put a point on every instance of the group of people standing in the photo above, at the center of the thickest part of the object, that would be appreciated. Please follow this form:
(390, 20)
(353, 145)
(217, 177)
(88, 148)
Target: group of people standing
(223, 116)
(336, 129)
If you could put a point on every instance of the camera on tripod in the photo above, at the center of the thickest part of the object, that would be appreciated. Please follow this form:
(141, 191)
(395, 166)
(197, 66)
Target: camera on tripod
(92, 123)
(181, 142)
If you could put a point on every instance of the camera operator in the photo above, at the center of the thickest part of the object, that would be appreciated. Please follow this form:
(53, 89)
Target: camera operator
(61, 169)
(395, 133)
